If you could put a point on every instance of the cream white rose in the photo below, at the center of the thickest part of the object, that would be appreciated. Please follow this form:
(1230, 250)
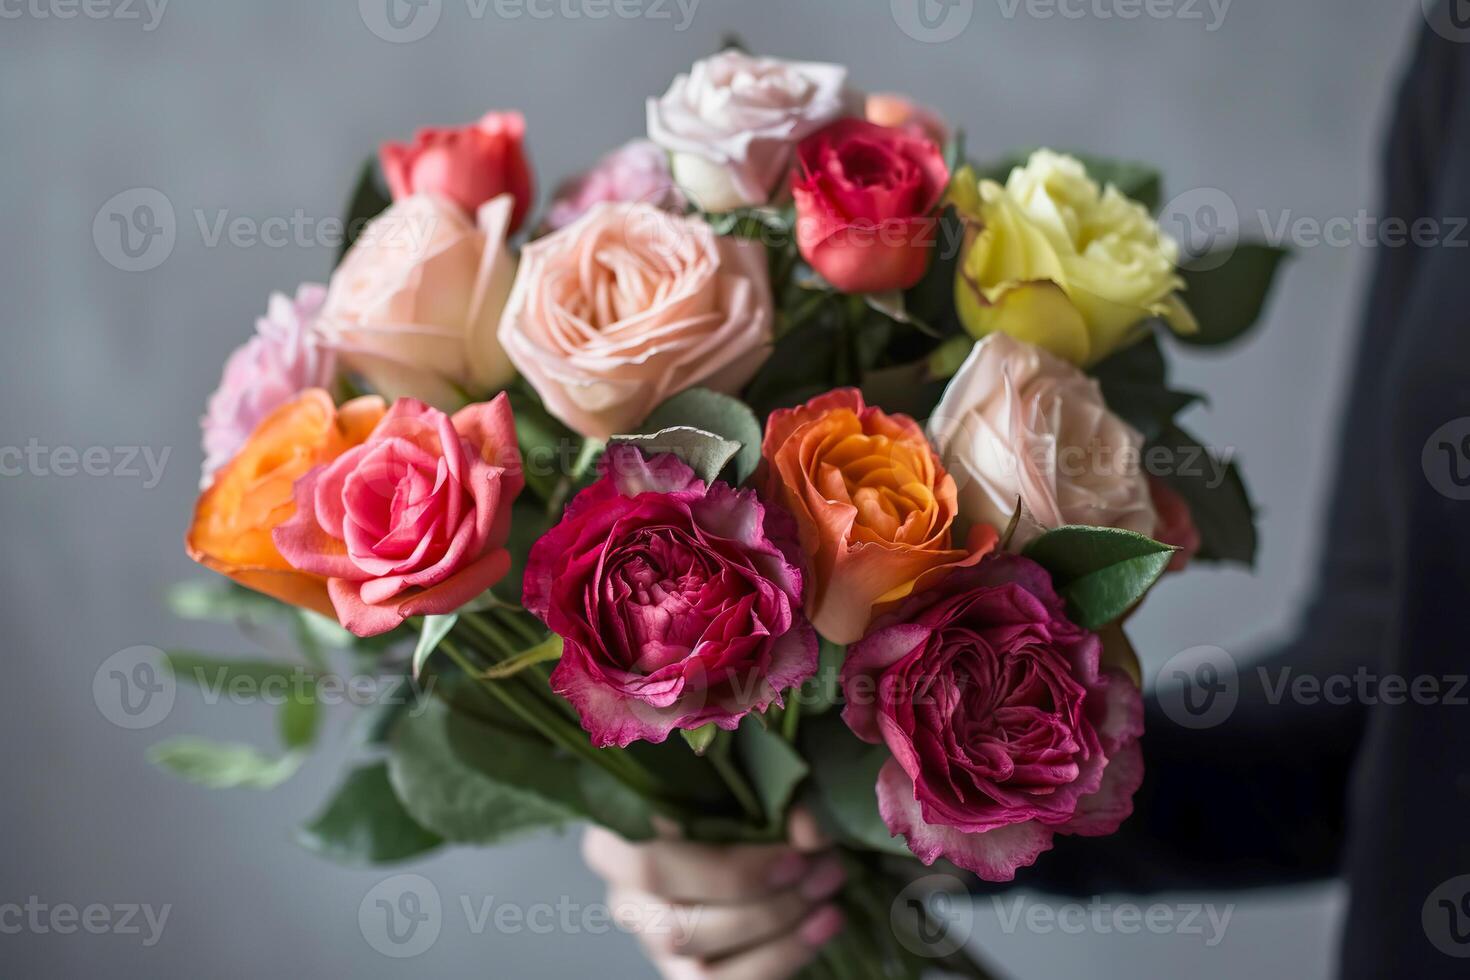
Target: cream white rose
(414, 306)
(731, 124)
(1019, 423)
(1053, 259)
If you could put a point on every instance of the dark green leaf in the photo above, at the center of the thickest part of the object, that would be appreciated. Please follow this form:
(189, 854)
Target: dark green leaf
(299, 716)
(823, 690)
(369, 199)
(726, 417)
(845, 777)
(1227, 299)
(1219, 503)
(773, 767)
(364, 823)
(1134, 385)
(1101, 571)
(704, 452)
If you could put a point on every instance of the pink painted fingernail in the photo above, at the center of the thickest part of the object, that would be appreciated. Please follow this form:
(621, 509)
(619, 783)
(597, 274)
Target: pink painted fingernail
(787, 870)
(826, 878)
(824, 924)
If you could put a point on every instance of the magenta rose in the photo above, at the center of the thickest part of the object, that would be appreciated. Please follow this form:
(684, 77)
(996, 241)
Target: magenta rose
(413, 521)
(678, 604)
(1005, 728)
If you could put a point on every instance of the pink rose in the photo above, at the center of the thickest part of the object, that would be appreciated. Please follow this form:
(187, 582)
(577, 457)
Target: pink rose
(414, 305)
(732, 123)
(892, 109)
(468, 165)
(679, 605)
(283, 359)
(1004, 728)
(629, 305)
(636, 171)
(1019, 422)
(413, 521)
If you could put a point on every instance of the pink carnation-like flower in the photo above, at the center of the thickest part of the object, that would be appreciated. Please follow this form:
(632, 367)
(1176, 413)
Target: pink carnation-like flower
(413, 521)
(1004, 725)
(283, 359)
(679, 604)
(637, 171)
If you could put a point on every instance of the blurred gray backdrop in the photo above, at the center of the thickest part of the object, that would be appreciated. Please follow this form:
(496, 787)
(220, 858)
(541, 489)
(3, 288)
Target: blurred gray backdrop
(264, 110)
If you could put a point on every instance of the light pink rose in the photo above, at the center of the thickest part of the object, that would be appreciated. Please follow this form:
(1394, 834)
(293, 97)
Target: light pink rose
(732, 123)
(414, 305)
(413, 521)
(629, 305)
(1019, 422)
(283, 359)
(636, 171)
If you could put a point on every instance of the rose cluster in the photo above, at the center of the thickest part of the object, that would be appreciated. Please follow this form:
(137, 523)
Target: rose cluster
(795, 430)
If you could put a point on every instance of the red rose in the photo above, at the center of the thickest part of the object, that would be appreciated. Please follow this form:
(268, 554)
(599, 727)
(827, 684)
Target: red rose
(468, 165)
(866, 197)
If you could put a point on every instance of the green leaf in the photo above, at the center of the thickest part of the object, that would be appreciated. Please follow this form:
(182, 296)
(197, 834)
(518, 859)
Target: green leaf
(1227, 299)
(613, 804)
(473, 784)
(547, 650)
(222, 765)
(528, 522)
(764, 224)
(699, 739)
(1101, 571)
(1134, 385)
(435, 629)
(729, 418)
(299, 717)
(824, 688)
(845, 778)
(545, 443)
(704, 452)
(369, 199)
(364, 823)
(222, 600)
(947, 358)
(1219, 503)
(773, 767)
(215, 673)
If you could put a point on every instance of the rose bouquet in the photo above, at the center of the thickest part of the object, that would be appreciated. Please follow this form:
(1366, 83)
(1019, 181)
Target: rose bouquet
(788, 457)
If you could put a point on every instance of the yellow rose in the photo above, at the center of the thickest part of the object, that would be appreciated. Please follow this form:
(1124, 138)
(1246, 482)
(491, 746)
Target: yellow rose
(1051, 259)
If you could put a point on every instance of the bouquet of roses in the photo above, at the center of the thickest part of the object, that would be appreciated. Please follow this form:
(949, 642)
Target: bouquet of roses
(791, 458)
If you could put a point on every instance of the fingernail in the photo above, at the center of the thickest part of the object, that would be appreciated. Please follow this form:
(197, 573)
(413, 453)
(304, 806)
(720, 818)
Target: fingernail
(824, 924)
(786, 870)
(828, 876)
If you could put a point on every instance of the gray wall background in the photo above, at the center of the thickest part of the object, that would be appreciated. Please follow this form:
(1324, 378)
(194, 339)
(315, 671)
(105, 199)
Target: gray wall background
(262, 109)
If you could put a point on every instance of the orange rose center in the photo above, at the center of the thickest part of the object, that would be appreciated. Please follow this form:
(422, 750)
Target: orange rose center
(889, 480)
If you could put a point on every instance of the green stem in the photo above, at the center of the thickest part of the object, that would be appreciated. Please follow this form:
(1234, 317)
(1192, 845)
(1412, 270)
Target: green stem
(494, 633)
(719, 757)
(792, 718)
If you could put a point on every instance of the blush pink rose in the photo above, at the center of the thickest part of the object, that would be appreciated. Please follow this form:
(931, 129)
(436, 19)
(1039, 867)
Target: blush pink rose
(1017, 422)
(1004, 726)
(283, 359)
(629, 305)
(468, 165)
(414, 305)
(892, 109)
(679, 604)
(413, 521)
(732, 123)
(636, 171)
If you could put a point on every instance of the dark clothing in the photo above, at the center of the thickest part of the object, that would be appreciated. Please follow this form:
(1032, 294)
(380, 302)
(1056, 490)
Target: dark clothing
(1377, 793)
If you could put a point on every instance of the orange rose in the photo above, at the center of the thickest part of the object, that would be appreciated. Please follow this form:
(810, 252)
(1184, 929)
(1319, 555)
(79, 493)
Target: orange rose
(873, 505)
(251, 495)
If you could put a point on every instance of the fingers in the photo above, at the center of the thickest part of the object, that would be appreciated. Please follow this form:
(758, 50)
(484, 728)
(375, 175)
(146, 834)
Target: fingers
(776, 960)
(685, 872)
(713, 931)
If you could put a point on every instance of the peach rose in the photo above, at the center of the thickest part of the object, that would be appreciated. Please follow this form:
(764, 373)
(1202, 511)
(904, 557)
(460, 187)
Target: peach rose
(414, 304)
(252, 494)
(629, 305)
(873, 505)
(1017, 422)
(901, 112)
